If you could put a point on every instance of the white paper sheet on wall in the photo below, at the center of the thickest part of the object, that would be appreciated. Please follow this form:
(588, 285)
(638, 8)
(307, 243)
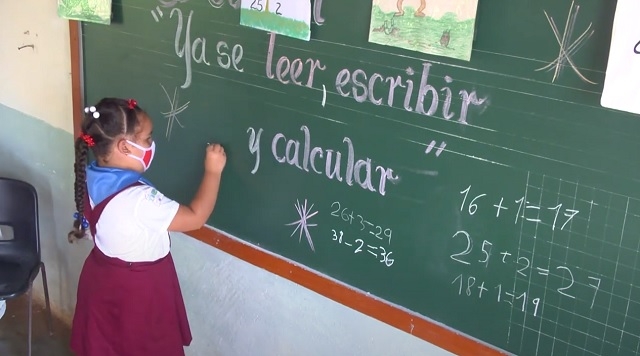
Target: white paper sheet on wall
(622, 81)
(286, 17)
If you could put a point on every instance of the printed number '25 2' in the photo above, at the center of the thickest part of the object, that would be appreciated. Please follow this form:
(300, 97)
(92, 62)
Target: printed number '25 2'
(257, 5)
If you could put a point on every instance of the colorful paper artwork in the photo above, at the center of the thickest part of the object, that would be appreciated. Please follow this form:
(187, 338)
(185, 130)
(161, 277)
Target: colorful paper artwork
(98, 11)
(438, 27)
(285, 17)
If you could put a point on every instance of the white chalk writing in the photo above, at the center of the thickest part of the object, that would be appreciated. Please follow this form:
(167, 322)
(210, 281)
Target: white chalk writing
(290, 71)
(526, 211)
(368, 236)
(224, 60)
(467, 284)
(376, 88)
(188, 50)
(196, 50)
(306, 157)
(522, 265)
(254, 146)
(362, 87)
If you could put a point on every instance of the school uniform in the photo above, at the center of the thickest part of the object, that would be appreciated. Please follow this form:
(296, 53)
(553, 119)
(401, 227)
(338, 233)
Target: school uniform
(129, 301)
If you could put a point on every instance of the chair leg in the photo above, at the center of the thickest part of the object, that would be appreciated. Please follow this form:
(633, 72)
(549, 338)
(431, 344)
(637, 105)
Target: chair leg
(30, 294)
(46, 298)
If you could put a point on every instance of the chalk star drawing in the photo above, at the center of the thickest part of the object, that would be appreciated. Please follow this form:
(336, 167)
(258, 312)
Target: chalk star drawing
(303, 224)
(172, 114)
(565, 53)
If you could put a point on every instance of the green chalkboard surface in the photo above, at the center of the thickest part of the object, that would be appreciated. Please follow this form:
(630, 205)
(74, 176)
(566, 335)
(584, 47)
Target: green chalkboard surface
(490, 195)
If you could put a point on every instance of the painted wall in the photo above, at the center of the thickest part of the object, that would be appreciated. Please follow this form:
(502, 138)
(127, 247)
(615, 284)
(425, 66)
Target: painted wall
(35, 139)
(234, 307)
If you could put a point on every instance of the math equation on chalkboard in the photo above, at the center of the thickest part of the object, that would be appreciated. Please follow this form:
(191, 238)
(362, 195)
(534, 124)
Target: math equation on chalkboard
(352, 230)
(482, 252)
(563, 269)
(368, 236)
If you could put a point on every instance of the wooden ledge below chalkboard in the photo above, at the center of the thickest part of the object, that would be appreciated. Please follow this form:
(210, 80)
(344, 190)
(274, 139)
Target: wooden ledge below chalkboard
(415, 325)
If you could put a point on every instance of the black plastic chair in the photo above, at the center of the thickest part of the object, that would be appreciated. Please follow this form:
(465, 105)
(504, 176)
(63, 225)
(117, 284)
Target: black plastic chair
(20, 259)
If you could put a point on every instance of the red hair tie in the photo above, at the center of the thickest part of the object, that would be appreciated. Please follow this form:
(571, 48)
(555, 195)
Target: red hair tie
(132, 103)
(88, 139)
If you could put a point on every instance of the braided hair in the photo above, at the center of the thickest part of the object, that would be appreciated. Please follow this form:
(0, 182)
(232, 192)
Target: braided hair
(102, 125)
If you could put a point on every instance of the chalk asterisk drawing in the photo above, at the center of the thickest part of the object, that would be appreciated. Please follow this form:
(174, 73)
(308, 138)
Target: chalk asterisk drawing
(172, 114)
(302, 225)
(567, 48)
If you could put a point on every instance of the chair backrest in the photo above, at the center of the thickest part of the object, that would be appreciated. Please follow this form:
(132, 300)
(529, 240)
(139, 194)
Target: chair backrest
(19, 210)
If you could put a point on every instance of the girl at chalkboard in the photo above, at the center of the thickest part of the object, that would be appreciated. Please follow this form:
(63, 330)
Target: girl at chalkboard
(129, 300)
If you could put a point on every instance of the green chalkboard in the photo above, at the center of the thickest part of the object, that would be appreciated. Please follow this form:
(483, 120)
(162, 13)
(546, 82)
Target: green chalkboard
(510, 213)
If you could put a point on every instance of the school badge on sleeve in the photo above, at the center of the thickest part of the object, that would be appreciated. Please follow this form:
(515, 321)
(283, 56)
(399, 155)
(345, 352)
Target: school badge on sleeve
(155, 196)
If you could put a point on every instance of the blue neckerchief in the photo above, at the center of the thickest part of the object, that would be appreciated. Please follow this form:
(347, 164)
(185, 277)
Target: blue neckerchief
(102, 182)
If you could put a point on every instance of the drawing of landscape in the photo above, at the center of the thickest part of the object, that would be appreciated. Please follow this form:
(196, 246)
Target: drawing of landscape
(98, 11)
(438, 27)
(286, 17)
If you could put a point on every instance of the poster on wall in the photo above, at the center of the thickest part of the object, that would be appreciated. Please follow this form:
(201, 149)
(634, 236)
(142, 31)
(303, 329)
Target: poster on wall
(622, 78)
(98, 11)
(285, 17)
(439, 27)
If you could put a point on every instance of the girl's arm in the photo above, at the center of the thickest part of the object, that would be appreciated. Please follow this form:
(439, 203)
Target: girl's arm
(193, 216)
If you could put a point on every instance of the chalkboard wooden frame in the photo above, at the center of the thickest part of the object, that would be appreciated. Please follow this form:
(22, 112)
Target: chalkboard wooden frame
(402, 319)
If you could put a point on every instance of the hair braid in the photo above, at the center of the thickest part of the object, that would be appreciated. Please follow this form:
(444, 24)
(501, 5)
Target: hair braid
(107, 121)
(80, 188)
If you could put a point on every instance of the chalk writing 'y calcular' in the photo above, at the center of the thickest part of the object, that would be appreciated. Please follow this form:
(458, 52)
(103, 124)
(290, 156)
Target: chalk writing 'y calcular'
(309, 159)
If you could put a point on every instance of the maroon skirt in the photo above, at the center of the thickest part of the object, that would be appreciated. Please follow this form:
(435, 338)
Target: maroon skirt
(129, 309)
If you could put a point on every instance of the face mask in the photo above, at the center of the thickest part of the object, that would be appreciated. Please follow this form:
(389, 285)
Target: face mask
(147, 155)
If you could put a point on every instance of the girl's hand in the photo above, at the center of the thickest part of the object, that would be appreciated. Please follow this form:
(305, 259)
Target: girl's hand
(194, 216)
(215, 158)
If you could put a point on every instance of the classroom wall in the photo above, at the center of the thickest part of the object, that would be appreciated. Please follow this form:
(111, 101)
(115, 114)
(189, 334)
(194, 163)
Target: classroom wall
(35, 135)
(234, 308)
